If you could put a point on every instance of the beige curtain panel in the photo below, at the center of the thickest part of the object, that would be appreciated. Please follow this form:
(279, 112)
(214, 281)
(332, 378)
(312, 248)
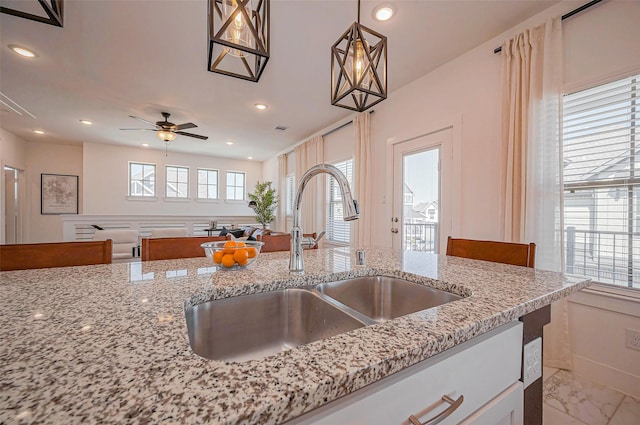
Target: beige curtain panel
(363, 179)
(531, 174)
(307, 155)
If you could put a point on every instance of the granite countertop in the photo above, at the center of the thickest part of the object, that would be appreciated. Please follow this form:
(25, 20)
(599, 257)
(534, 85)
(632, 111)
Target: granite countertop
(109, 343)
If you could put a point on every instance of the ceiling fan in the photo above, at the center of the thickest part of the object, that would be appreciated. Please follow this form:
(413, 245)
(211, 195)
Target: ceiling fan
(166, 130)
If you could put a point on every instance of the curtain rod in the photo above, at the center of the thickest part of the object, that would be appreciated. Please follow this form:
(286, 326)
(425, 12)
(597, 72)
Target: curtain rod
(329, 131)
(568, 15)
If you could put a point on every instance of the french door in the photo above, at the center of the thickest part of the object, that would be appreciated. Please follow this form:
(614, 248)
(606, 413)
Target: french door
(419, 214)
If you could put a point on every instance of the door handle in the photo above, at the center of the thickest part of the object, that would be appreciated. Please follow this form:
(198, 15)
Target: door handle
(454, 404)
(394, 230)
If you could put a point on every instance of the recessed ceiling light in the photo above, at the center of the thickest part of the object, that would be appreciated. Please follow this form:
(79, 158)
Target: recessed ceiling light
(38, 131)
(146, 145)
(384, 12)
(86, 122)
(22, 51)
(260, 106)
(249, 157)
(229, 143)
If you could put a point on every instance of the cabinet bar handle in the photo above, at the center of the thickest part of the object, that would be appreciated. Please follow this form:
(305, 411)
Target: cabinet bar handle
(442, 415)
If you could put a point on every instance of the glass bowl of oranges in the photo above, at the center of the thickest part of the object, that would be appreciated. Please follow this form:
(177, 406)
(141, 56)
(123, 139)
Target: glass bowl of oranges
(232, 255)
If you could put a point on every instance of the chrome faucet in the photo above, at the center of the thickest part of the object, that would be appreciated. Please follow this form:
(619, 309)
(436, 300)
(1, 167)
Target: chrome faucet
(350, 211)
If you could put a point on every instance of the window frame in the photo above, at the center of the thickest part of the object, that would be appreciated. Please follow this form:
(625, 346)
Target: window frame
(586, 193)
(130, 180)
(178, 182)
(244, 186)
(198, 184)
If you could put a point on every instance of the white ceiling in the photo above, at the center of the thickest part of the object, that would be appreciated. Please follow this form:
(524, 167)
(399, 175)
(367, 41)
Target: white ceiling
(113, 59)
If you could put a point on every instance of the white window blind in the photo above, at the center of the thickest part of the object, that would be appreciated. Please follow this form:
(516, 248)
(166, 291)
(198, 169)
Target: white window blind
(338, 230)
(142, 179)
(601, 163)
(177, 182)
(290, 188)
(207, 183)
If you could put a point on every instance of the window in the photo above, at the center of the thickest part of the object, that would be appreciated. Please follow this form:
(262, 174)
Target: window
(338, 230)
(290, 193)
(142, 179)
(601, 163)
(235, 185)
(177, 182)
(207, 184)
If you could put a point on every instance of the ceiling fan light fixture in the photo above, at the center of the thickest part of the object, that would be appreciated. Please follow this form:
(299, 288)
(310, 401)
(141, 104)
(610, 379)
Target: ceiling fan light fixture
(239, 38)
(166, 135)
(359, 68)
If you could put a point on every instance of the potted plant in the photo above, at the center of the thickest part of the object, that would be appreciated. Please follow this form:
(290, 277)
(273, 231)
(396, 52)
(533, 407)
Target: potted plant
(264, 201)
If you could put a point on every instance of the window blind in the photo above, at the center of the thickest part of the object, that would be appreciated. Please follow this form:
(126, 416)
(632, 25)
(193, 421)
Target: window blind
(601, 176)
(338, 230)
(290, 193)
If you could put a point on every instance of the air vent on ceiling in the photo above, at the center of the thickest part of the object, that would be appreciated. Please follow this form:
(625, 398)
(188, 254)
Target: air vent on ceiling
(280, 128)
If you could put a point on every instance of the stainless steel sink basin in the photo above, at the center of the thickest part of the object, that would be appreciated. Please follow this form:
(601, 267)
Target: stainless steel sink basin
(253, 326)
(384, 298)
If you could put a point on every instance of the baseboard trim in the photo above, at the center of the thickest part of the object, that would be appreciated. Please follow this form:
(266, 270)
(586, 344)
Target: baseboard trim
(611, 377)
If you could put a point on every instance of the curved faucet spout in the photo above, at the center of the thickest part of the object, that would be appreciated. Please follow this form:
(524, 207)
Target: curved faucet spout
(350, 210)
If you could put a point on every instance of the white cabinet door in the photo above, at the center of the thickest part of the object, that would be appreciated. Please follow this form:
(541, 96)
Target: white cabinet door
(505, 409)
(478, 370)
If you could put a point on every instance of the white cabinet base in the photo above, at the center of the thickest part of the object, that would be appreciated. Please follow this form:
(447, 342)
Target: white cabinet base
(505, 409)
(480, 370)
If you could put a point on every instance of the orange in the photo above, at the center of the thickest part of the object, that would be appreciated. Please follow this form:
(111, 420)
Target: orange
(228, 260)
(217, 257)
(252, 252)
(239, 244)
(229, 247)
(241, 256)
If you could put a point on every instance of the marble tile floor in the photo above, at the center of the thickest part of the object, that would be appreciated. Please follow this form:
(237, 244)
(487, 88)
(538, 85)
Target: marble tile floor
(570, 399)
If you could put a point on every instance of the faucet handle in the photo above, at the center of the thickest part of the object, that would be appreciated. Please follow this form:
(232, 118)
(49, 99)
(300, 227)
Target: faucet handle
(309, 242)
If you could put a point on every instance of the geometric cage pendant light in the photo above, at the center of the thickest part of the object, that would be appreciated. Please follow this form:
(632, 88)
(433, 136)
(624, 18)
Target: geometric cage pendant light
(239, 37)
(359, 68)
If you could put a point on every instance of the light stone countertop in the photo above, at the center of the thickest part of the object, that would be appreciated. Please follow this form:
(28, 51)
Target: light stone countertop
(108, 343)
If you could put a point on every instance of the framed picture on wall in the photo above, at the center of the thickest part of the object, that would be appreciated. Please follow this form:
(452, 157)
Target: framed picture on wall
(58, 194)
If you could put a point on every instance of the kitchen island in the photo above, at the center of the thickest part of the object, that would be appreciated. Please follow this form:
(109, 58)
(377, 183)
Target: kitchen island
(109, 344)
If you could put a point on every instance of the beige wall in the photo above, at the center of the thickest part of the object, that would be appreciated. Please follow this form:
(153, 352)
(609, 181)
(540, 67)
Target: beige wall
(49, 159)
(599, 321)
(105, 171)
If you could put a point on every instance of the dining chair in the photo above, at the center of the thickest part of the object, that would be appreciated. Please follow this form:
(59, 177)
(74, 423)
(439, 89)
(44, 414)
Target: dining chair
(517, 254)
(175, 248)
(55, 254)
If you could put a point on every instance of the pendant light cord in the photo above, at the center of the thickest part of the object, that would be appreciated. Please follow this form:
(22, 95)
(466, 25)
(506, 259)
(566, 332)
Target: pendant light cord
(358, 11)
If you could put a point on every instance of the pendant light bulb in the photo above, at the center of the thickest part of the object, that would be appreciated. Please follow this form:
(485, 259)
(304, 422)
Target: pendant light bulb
(237, 32)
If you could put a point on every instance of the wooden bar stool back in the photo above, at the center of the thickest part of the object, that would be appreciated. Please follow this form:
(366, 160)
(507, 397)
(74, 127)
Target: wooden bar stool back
(517, 254)
(56, 254)
(174, 248)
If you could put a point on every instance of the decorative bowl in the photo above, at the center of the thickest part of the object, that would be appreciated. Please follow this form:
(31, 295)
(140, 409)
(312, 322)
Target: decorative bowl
(232, 255)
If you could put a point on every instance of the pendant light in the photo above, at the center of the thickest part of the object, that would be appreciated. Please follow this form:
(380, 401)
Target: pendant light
(239, 37)
(359, 68)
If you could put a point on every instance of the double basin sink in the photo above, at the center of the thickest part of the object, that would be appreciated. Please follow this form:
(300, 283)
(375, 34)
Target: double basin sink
(254, 326)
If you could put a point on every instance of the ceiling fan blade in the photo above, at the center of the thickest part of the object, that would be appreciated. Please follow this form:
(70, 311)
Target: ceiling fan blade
(197, 136)
(143, 120)
(185, 126)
